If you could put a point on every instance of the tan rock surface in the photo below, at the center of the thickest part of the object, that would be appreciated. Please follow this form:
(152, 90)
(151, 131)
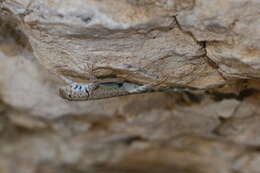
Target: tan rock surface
(193, 42)
(231, 30)
(142, 44)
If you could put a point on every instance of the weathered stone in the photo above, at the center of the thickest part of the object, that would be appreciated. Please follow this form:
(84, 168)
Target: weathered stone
(81, 40)
(24, 86)
(230, 28)
(222, 109)
(241, 130)
(26, 121)
(142, 41)
(161, 124)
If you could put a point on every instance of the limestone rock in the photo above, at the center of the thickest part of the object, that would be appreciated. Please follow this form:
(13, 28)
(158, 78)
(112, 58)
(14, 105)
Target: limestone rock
(231, 30)
(168, 124)
(192, 42)
(142, 44)
(241, 130)
(26, 88)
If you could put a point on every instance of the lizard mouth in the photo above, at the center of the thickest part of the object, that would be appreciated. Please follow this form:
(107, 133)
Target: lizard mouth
(64, 94)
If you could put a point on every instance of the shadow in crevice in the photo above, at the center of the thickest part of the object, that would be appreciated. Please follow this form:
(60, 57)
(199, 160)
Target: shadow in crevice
(218, 96)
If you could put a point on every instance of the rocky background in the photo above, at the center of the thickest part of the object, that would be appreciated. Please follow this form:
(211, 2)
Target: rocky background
(210, 45)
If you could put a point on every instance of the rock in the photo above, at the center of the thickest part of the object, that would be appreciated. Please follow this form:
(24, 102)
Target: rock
(223, 109)
(25, 87)
(161, 124)
(229, 28)
(5, 165)
(241, 130)
(248, 163)
(212, 46)
(186, 154)
(26, 121)
(87, 39)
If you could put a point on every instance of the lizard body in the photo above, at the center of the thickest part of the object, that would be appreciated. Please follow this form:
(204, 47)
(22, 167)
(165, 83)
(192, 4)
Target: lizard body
(94, 91)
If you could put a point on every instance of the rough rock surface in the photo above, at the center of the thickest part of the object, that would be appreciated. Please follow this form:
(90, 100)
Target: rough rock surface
(212, 45)
(231, 30)
(127, 39)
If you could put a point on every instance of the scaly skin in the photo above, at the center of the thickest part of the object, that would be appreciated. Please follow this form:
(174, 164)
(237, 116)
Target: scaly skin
(101, 90)
(95, 91)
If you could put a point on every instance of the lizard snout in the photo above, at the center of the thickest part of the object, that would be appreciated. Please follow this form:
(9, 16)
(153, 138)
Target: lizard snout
(65, 93)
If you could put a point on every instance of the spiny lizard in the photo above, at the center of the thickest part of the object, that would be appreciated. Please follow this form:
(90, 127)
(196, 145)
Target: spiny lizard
(101, 90)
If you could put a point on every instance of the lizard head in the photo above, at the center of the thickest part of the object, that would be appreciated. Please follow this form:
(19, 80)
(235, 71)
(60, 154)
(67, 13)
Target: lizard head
(75, 91)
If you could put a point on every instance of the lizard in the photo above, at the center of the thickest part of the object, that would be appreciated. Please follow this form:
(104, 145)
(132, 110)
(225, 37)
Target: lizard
(75, 91)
